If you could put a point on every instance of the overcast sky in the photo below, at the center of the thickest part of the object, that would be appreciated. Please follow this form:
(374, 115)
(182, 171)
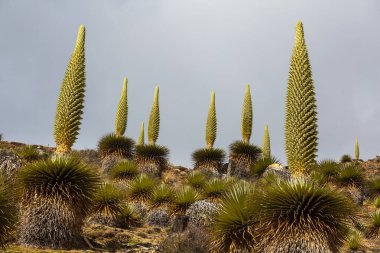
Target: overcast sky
(190, 48)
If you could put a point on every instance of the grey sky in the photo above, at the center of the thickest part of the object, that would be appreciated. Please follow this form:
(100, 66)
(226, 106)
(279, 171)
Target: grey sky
(189, 48)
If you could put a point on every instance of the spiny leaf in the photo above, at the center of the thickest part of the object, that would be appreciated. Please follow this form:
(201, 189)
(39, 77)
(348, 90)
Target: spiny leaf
(122, 111)
(71, 98)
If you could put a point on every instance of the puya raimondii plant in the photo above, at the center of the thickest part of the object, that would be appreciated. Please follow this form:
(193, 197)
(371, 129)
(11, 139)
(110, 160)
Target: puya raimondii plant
(301, 115)
(71, 98)
(209, 158)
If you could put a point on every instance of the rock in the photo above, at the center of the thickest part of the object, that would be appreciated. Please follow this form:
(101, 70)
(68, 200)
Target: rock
(141, 209)
(158, 217)
(9, 163)
(277, 170)
(201, 213)
(180, 223)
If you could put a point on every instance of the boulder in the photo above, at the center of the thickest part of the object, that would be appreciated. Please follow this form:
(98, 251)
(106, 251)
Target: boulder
(201, 213)
(278, 170)
(158, 217)
(9, 164)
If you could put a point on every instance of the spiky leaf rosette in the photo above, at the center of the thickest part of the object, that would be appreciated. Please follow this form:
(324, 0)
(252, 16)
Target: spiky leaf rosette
(141, 139)
(298, 216)
(246, 116)
(122, 111)
(233, 228)
(215, 188)
(266, 143)
(211, 123)
(301, 115)
(60, 179)
(357, 149)
(351, 175)
(208, 159)
(151, 159)
(325, 171)
(141, 188)
(57, 195)
(184, 198)
(108, 201)
(154, 119)
(71, 98)
(240, 150)
(124, 170)
(196, 179)
(8, 212)
(259, 167)
(113, 145)
(162, 195)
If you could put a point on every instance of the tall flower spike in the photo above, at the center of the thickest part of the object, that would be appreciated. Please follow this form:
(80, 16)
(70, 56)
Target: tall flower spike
(266, 143)
(246, 116)
(357, 149)
(154, 119)
(211, 123)
(71, 98)
(141, 139)
(122, 111)
(301, 115)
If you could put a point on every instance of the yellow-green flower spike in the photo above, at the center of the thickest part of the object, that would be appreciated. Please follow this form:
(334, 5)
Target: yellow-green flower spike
(301, 115)
(71, 98)
(154, 119)
(122, 111)
(357, 149)
(141, 139)
(266, 143)
(246, 116)
(211, 123)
